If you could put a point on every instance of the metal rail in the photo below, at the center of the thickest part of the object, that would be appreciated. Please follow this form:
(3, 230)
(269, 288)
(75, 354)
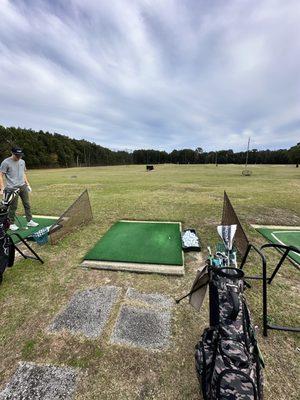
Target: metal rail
(26, 256)
(269, 280)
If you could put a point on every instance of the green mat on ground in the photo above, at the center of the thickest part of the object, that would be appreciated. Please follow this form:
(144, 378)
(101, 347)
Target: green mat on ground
(43, 221)
(140, 242)
(283, 235)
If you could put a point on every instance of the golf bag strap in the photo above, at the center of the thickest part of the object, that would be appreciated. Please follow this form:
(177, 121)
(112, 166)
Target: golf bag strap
(235, 305)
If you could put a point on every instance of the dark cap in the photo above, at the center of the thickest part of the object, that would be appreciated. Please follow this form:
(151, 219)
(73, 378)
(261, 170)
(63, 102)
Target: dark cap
(17, 151)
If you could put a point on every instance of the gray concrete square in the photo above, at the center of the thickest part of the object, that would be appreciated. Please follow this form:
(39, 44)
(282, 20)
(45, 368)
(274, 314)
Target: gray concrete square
(149, 329)
(87, 312)
(41, 382)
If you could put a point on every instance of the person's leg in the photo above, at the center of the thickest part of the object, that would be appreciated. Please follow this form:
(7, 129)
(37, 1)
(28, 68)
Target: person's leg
(12, 210)
(25, 200)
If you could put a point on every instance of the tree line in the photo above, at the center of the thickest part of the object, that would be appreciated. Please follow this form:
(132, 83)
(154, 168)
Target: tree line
(51, 150)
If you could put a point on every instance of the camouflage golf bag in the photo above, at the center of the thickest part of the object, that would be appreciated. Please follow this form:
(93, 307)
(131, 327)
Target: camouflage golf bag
(228, 361)
(7, 249)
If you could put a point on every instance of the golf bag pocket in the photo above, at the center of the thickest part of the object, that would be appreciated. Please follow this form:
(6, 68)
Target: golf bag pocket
(235, 385)
(234, 354)
(233, 372)
(229, 305)
(204, 359)
(225, 295)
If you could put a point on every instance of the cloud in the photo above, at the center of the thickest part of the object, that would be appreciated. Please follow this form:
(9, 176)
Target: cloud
(151, 73)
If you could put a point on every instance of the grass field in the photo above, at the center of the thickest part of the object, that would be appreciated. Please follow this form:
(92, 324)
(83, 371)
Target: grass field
(32, 294)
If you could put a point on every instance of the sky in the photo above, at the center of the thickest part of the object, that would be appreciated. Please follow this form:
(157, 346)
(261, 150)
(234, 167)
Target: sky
(159, 74)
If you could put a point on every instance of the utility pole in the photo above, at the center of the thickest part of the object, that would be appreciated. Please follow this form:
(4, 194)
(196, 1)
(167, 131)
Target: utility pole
(84, 154)
(247, 155)
(246, 172)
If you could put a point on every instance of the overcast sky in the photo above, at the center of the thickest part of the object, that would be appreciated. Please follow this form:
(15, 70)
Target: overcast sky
(158, 74)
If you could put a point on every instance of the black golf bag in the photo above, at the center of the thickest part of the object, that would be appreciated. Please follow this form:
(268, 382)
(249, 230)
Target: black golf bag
(228, 360)
(7, 248)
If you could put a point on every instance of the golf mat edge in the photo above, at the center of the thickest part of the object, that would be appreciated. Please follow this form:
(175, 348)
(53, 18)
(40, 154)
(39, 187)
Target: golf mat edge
(135, 267)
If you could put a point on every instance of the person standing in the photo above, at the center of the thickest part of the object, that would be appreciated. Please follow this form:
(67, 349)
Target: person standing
(13, 169)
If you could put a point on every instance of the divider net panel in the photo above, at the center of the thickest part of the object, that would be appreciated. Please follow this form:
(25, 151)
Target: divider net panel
(230, 217)
(79, 213)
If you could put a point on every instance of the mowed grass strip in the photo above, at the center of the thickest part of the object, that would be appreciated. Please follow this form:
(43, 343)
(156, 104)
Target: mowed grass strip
(140, 242)
(33, 294)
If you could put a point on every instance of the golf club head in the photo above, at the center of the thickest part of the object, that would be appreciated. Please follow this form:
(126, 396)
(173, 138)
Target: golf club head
(221, 255)
(8, 196)
(223, 258)
(227, 233)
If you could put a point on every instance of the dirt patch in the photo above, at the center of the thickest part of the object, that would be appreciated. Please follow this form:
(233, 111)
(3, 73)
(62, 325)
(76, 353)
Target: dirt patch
(150, 299)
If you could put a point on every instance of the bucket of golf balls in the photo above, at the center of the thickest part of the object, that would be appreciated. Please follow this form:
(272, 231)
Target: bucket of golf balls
(190, 240)
(41, 236)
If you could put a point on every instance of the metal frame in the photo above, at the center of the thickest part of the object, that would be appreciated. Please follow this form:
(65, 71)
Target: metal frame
(26, 256)
(269, 280)
(35, 256)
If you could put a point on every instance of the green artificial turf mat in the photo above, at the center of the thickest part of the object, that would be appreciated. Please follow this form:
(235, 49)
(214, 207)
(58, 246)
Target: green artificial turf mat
(287, 236)
(43, 221)
(140, 242)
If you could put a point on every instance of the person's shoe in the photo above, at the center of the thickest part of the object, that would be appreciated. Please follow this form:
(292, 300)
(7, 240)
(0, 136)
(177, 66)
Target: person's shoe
(32, 224)
(13, 227)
